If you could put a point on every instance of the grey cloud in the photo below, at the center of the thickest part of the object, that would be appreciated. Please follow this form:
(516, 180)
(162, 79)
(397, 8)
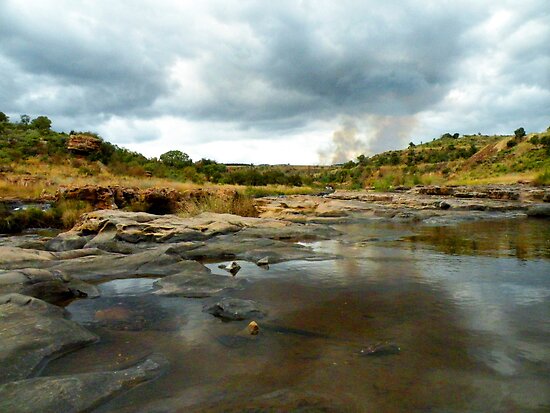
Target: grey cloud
(267, 66)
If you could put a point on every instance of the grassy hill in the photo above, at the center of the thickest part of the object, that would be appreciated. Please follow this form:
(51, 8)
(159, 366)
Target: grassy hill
(34, 159)
(465, 160)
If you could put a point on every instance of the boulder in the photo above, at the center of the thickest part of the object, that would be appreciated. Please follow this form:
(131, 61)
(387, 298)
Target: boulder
(31, 332)
(75, 393)
(235, 309)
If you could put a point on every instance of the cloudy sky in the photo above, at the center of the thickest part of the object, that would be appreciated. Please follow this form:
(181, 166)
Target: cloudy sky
(293, 81)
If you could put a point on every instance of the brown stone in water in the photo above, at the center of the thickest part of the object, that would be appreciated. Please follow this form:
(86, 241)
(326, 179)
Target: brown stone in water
(253, 328)
(113, 314)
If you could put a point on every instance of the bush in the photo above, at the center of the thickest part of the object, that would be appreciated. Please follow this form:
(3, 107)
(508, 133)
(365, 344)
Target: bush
(519, 133)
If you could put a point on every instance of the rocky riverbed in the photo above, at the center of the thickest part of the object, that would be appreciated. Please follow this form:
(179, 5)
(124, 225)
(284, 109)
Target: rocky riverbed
(173, 261)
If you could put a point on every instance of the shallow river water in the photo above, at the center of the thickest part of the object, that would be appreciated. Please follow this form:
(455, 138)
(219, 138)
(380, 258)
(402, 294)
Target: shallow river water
(468, 305)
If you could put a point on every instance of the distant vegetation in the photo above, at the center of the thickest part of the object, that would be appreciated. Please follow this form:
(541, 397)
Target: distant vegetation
(31, 152)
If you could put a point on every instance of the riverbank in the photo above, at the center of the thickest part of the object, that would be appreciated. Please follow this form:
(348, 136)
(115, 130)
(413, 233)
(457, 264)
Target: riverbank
(125, 275)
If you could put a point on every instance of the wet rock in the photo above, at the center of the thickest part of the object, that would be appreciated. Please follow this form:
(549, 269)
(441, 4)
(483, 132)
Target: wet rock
(47, 285)
(75, 393)
(235, 309)
(32, 331)
(110, 266)
(240, 247)
(196, 285)
(263, 262)
(539, 211)
(232, 268)
(253, 328)
(381, 349)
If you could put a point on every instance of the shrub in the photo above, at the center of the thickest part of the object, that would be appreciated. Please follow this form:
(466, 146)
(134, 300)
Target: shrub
(519, 133)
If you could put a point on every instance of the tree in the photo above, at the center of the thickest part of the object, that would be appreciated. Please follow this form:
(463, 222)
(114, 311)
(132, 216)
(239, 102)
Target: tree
(411, 145)
(456, 135)
(42, 123)
(519, 133)
(176, 159)
(4, 118)
(25, 119)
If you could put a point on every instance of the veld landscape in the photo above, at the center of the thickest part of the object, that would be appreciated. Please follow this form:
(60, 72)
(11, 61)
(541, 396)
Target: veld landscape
(272, 207)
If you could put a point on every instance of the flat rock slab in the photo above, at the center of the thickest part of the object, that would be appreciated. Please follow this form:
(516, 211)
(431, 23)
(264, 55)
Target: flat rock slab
(111, 266)
(49, 285)
(14, 257)
(76, 393)
(196, 285)
(239, 247)
(32, 331)
(235, 309)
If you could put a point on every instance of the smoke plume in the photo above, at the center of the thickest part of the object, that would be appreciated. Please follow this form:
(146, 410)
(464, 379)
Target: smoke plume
(380, 133)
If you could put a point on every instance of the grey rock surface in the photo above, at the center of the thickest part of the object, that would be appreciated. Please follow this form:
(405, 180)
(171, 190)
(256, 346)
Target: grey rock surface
(196, 285)
(75, 393)
(33, 331)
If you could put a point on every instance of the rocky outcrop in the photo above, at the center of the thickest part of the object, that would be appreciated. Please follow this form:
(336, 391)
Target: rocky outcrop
(31, 332)
(434, 190)
(83, 144)
(75, 393)
(158, 201)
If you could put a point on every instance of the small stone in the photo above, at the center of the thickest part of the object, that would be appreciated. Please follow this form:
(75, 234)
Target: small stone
(232, 268)
(263, 262)
(253, 328)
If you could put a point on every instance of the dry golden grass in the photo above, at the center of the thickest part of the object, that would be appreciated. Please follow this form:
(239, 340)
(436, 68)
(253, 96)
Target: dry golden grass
(242, 205)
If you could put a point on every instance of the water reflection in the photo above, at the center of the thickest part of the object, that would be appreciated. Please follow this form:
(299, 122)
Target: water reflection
(468, 310)
(522, 238)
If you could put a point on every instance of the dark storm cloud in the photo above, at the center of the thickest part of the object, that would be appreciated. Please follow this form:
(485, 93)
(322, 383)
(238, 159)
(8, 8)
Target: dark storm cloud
(264, 66)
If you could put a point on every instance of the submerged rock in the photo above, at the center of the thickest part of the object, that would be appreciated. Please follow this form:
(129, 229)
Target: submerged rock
(381, 349)
(75, 393)
(235, 309)
(196, 285)
(32, 331)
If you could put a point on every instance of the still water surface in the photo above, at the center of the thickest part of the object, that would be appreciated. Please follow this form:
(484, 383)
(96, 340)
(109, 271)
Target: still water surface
(469, 306)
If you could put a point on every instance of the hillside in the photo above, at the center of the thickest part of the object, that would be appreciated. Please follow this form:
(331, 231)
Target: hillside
(454, 160)
(35, 159)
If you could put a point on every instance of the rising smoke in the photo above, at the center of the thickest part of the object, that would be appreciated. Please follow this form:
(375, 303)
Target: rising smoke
(380, 133)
